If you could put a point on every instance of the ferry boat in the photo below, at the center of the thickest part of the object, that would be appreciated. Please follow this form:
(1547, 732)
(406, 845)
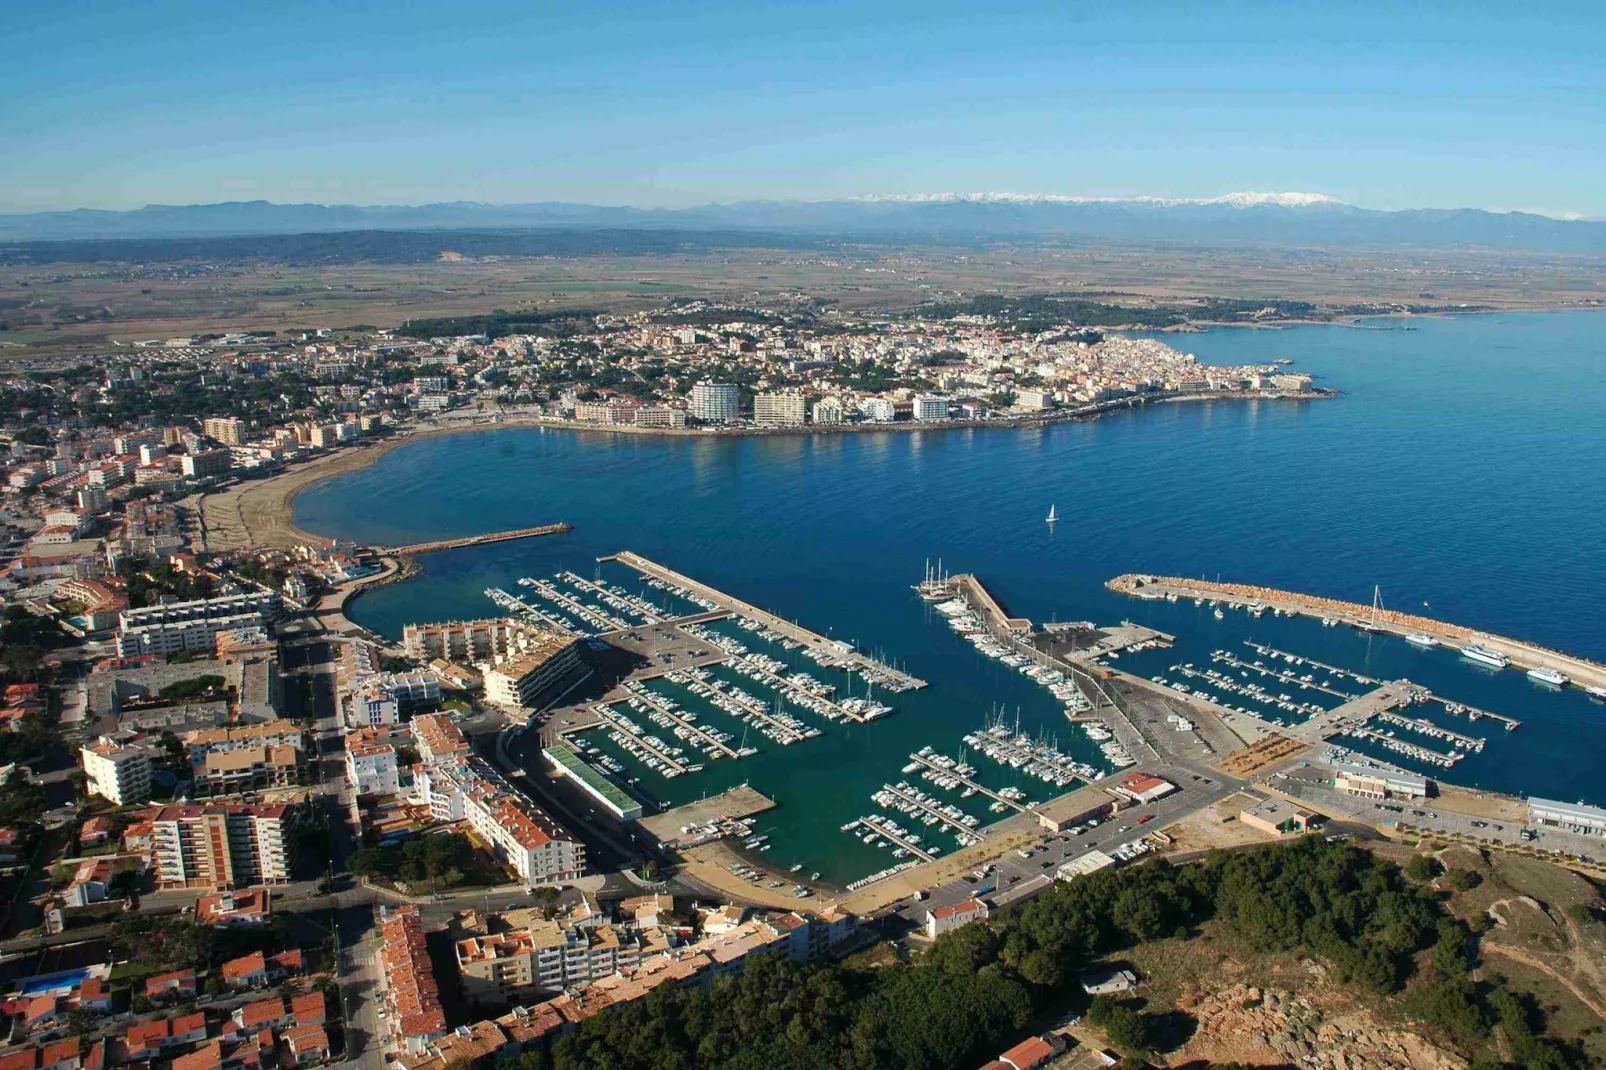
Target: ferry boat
(1485, 656)
(1421, 639)
(1548, 676)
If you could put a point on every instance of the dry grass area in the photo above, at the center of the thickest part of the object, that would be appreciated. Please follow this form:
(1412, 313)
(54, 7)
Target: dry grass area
(1549, 937)
(66, 306)
(1265, 753)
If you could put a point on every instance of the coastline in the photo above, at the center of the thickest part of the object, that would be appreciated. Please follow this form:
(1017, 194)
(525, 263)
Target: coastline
(261, 513)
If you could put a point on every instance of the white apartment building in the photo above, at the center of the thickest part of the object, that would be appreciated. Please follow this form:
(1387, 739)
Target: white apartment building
(535, 674)
(828, 411)
(118, 770)
(878, 410)
(715, 403)
(780, 408)
(1034, 398)
(371, 766)
(930, 407)
(539, 849)
(187, 637)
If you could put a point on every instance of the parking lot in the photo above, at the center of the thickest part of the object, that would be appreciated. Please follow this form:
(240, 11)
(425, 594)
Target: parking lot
(1197, 789)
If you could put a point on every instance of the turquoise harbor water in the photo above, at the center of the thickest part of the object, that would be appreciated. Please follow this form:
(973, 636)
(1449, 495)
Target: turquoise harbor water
(1462, 468)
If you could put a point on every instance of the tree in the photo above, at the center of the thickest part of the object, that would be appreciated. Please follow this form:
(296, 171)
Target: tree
(1422, 868)
(1463, 880)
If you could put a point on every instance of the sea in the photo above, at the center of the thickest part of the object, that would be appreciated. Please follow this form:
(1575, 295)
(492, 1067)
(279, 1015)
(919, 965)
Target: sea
(1460, 473)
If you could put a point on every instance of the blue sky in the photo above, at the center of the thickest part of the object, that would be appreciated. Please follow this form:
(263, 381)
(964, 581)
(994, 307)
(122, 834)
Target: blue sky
(114, 105)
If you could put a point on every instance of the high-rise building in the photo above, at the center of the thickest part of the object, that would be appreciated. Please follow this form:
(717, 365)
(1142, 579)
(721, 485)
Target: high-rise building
(223, 846)
(118, 769)
(930, 407)
(715, 403)
(229, 430)
(779, 408)
(828, 410)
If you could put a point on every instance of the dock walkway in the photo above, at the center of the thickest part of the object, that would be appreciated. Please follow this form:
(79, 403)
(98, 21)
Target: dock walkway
(969, 783)
(647, 698)
(845, 655)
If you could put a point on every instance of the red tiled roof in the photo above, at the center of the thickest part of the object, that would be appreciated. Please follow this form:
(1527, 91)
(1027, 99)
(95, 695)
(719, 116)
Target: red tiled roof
(245, 966)
(1029, 1053)
(26, 1059)
(207, 1057)
(967, 906)
(179, 978)
(60, 1051)
(413, 990)
(255, 1015)
(308, 1008)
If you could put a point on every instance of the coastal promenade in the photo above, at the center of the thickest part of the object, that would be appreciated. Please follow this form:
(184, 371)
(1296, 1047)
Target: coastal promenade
(1522, 654)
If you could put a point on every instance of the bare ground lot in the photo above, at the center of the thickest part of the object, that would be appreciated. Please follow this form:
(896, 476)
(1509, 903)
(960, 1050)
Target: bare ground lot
(62, 308)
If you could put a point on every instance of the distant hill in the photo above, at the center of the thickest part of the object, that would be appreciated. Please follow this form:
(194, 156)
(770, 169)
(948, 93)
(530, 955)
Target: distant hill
(1249, 218)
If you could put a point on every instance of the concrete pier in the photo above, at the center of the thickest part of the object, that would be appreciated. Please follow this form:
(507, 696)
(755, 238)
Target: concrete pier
(843, 654)
(1521, 654)
(480, 540)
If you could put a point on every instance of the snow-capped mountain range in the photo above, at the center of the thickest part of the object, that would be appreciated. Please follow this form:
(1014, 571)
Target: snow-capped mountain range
(1247, 218)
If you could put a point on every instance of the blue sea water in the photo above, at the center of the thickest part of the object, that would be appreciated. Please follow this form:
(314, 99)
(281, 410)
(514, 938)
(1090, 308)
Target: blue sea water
(1461, 470)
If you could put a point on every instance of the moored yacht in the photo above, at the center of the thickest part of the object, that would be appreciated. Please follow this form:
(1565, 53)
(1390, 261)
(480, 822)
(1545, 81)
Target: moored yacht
(1484, 655)
(1548, 676)
(1421, 639)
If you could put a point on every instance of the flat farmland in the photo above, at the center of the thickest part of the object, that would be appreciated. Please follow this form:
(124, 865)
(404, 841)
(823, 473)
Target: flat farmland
(62, 307)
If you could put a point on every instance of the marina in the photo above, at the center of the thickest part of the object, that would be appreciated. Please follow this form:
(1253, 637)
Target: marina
(651, 751)
(1428, 728)
(714, 744)
(949, 769)
(519, 607)
(829, 653)
(929, 811)
(1496, 651)
(878, 828)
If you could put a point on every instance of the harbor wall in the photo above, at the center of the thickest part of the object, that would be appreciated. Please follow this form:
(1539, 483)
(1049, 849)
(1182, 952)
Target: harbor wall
(1524, 654)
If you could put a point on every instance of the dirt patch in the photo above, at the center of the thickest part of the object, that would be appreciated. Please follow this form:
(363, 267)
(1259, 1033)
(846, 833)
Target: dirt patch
(1479, 804)
(1215, 826)
(1272, 750)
